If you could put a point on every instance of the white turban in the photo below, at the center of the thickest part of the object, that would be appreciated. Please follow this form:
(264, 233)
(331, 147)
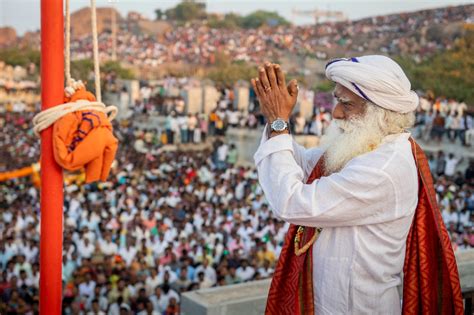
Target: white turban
(377, 79)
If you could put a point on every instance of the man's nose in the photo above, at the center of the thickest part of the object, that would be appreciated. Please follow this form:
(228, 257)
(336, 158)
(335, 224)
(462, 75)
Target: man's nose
(338, 112)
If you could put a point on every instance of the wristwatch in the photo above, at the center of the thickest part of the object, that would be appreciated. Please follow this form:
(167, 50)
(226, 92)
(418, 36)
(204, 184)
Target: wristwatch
(279, 125)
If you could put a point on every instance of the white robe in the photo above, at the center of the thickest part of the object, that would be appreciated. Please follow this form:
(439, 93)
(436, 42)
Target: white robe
(365, 210)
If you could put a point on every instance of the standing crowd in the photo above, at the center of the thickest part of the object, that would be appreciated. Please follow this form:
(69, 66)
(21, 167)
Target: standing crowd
(444, 119)
(411, 33)
(167, 222)
(160, 226)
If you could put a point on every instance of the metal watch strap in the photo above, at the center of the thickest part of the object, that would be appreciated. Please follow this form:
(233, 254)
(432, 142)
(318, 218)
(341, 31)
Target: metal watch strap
(270, 130)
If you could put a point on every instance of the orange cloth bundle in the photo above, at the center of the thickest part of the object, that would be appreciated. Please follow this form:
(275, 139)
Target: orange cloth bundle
(85, 139)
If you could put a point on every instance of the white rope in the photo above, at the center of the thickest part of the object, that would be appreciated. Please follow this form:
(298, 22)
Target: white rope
(67, 67)
(95, 44)
(48, 117)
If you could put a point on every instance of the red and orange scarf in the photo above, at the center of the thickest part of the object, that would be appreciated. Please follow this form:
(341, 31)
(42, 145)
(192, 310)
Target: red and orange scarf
(431, 281)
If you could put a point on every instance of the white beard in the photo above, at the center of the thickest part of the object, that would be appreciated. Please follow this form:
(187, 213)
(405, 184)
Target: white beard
(346, 139)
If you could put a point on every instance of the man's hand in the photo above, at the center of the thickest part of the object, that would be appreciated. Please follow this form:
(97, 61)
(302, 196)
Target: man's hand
(276, 99)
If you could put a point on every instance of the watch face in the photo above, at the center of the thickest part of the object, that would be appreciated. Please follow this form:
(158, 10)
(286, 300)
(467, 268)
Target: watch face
(278, 125)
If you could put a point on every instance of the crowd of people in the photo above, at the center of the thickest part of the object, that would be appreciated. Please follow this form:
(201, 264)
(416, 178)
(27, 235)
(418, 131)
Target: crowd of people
(444, 119)
(180, 124)
(197, 43)
(161, 225)
(158, 227)
(167, 222)
(437, 119)
(455, 194)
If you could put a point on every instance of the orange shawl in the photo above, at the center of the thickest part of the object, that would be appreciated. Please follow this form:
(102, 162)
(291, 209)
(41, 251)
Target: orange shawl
(431, 281)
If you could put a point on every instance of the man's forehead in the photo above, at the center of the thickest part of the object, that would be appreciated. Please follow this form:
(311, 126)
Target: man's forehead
(342, 91)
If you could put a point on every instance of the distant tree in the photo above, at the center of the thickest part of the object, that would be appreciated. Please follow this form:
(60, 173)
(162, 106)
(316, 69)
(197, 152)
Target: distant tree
(449, 73)
(187, 10)
(227, 73)
(190, 10)
(20, 57)
(253, 20)
(116, 67)
(82, 69)
(159, 14)
(261, 17)
(229, 21)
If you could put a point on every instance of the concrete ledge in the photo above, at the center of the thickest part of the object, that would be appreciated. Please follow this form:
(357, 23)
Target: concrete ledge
(246, 298)
(465, 261)
(250, 298)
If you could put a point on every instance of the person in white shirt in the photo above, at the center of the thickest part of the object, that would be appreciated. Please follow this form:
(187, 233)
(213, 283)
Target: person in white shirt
(145, 93)
(300, 123)
(464, 217)
(222, 151)
(124, 101)
(128, 253)
(159, 245)
(85, 248)
(35, 275)
(469, 126)
(159, 301)
(209, 272)
(97, 303)
(23, 279)
(192, 124)
(450, 216)
(87, 287)
(365, 199)
(167, 275)
(164, 297)
(94, 308)
(171, 127)
(203, 281)
(233, 118)
(451, 164)
(11, 248)
(183, 126)
(152, 281)
(22, 264)
(245, 272)
(108, 247)
(30, 250)
(265, 271)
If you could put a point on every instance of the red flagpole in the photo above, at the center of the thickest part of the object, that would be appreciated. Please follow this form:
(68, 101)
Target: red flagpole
(52, 89)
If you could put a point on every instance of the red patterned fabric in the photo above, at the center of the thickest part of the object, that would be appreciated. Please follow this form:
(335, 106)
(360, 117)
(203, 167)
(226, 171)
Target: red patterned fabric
(291, 291)
(431, 280)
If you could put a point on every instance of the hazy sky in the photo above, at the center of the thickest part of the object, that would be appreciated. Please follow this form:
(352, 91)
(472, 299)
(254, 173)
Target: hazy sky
(24, 15)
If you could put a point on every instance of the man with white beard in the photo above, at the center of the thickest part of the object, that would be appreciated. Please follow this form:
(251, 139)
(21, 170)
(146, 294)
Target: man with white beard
(362, 207)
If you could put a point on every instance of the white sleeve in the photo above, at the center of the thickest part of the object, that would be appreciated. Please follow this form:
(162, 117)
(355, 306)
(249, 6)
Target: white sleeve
(355, 196)
(305, 158)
